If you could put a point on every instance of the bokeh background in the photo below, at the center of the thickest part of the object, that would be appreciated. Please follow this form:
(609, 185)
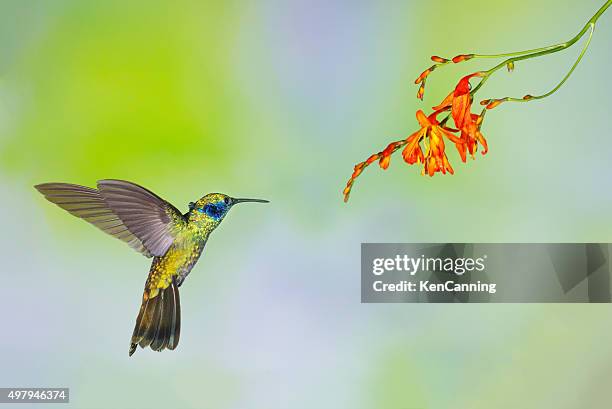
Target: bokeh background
(278, 99)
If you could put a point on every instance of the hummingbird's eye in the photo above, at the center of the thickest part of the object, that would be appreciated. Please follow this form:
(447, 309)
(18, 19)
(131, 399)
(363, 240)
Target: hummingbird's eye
(226, 200)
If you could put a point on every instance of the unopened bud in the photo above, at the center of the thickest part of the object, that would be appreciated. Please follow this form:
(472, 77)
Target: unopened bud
(510, 66)
(462, 57)
(421, 91)
(424, 74)
(384, 161)
(439, 60)
(528, 97)
(495, 103)
(485, 102)
(371, 159)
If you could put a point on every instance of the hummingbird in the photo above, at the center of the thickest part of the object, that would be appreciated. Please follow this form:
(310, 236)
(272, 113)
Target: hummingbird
(157, 229)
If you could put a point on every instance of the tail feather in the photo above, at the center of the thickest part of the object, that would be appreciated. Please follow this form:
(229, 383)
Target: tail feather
(158, 324)
(160, 339)
(175, 328)
(148, 325)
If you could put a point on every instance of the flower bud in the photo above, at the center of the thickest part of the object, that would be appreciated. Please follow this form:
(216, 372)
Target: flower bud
(384, 161)
(356, 172)
(421, 91)
(462, 57)
(495, 103)
(439, 60)
(527, 97)
(424, 74)
(371, 159)
(510, 66)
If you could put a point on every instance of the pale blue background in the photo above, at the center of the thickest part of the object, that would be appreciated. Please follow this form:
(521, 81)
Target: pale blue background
(278, 100)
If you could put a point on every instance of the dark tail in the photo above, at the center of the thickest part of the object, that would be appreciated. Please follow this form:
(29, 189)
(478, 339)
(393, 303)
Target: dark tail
(159, 321)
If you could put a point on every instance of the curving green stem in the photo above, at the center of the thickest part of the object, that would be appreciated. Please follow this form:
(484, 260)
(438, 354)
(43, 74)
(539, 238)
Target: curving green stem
(552, 91)
(537, 52)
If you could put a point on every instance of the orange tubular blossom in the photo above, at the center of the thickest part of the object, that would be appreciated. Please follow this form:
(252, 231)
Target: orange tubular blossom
(460, 103)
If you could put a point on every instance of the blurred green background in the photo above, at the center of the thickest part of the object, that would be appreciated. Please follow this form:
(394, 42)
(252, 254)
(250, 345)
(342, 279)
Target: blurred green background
(278, 99)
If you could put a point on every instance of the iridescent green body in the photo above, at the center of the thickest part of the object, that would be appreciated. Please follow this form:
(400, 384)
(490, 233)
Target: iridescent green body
(155, 228)
(158, 322)
(191, 234)
(177, 262)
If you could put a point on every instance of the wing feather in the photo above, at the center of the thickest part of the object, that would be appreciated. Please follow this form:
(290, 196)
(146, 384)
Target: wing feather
(87, 204)
(139, 217)
(150, 218)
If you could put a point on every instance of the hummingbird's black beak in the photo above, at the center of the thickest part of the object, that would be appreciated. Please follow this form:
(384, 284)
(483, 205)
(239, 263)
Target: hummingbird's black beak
(234, 201)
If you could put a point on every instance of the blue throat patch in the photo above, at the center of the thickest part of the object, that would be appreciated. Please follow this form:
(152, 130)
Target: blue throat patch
(214, 210)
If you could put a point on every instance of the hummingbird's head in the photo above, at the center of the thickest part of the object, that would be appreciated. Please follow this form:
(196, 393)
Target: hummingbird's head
(213, 207)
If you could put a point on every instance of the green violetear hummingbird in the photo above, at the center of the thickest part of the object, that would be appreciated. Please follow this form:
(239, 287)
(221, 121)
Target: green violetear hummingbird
(155, 228)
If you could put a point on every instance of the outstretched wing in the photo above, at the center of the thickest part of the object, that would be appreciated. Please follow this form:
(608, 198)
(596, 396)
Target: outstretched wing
(88, 204)
(149, 217)
(149, 237)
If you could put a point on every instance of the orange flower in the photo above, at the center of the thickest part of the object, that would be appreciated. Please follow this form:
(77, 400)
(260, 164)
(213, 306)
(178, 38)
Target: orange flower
(471, 136)
(412, 153)
(434, 159)
(459, 101)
